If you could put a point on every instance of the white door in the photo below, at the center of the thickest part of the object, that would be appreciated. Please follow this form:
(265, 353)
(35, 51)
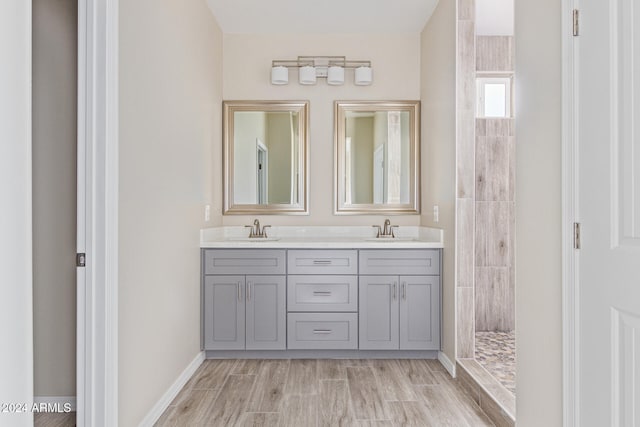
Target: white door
(83, 298)
(16, 302)
(262, 168)
(97, 228)
(608, 71)
(378, 176)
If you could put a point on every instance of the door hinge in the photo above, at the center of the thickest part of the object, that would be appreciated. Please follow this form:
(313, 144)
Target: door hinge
(576, 22)
(81, 259)
(576, 235)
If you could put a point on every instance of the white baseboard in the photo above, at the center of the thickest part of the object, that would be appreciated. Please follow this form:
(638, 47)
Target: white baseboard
(56, 401)
(447, 363)
(166, 399)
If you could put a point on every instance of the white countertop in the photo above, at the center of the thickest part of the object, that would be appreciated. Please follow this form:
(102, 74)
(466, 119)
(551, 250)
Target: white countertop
(321, 237)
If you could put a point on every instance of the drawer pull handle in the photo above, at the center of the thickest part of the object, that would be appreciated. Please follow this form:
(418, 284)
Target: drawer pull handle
(322, 293)
(322, 331)
(321, 261)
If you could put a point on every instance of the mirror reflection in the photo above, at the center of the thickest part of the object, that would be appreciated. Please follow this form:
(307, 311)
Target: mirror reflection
(376, 155)
(266, 157)
(266, 167)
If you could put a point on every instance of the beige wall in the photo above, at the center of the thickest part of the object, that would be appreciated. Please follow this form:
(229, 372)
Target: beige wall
(538, 214)
(54, 196)
(361, 133)
(170, 109)
(438, 53)
(247, 127)
(278, 139)
(396, 68)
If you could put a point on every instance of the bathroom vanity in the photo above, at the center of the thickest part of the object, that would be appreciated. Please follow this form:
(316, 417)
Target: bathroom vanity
(331, 289)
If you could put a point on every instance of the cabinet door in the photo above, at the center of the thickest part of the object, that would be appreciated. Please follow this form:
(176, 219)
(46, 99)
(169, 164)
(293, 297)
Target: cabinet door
(244, 261)
(419, 312)
(322, 261)
(322, 293)
(266, 312)
(224, 312)
(327, 331)
(400, 261)
(378, 313)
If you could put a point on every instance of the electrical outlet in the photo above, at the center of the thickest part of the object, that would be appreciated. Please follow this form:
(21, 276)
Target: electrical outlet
(436, 213)
(207, 212)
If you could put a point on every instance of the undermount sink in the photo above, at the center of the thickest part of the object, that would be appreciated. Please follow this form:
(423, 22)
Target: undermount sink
(391, 239)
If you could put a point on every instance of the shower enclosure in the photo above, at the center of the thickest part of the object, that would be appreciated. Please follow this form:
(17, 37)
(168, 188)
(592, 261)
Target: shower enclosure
(485, 240)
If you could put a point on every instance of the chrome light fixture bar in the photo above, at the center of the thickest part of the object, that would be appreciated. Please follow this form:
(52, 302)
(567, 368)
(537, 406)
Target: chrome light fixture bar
(311, 68)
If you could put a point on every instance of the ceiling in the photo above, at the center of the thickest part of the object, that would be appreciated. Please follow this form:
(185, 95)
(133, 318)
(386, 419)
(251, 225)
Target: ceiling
(322, 16)
(494, 17)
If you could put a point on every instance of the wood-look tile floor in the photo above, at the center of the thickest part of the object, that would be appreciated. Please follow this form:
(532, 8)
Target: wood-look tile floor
(54, 419)
(319, 393)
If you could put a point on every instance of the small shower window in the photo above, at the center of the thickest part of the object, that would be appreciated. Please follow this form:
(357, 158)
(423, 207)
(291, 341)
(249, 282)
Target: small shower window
(494, 96)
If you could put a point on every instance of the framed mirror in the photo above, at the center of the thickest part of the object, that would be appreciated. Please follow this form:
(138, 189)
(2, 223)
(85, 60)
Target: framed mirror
(377, 157)
(265, 147)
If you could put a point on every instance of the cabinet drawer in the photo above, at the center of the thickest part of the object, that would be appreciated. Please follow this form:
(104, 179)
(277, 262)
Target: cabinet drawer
(322, 293)
(244, 261)
(400, 261)
(315, 331)
(323, 262)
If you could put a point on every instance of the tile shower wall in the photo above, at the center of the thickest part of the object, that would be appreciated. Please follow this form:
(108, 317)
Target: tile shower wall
(465, 193)
(494, 202)
(494, 53)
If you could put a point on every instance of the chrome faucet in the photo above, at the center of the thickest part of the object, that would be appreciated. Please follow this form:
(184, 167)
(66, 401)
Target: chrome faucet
(256, 231)
(386, 231)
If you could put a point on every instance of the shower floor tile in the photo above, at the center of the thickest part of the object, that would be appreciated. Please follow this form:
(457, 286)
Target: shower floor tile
(496, 352)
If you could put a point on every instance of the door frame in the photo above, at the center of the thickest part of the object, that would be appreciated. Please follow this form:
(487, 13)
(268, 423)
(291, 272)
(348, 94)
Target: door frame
(97, 315)
(570, 215)
(262, 178)
(98, 113)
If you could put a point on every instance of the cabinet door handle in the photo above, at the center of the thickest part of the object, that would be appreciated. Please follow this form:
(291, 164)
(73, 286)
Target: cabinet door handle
(322, 331)
(322, 293)
(249, 284)
(395, 291)
(404, 291)
(239, 291)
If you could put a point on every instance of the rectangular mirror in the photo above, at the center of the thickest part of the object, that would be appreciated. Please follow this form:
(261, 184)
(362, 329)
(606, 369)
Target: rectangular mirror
(265, 157)
(377, 155)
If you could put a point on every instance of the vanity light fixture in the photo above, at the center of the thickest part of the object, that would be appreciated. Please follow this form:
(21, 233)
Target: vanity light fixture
(335, 75)
(363, 76)
(279, 75)
(310, 68)
(307, 75)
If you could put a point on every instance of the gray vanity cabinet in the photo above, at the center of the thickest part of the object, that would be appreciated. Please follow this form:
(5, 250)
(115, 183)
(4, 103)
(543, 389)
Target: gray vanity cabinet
(379, 313)
(399, 311)
(266, 313)
(419, 298)
(244, 310)
(224, 313)
(322, 299)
